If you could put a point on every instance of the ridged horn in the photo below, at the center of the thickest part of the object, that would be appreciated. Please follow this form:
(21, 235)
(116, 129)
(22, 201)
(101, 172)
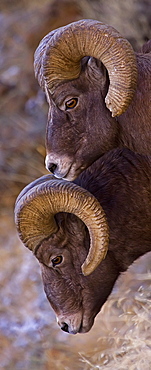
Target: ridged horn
(58, 57)
(41, 200)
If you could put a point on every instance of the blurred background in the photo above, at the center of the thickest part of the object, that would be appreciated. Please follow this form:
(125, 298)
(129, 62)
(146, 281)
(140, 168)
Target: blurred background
(29, 336)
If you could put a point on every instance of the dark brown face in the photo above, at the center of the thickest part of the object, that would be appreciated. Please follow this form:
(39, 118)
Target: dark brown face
(76, 299)
(80, 127)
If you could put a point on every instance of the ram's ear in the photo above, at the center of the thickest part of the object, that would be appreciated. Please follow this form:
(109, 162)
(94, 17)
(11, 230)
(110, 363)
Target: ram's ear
(96, 69)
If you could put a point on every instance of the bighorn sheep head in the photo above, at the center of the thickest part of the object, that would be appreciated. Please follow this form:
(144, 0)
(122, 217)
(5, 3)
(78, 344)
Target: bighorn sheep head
(86, 69)
(37, 205)
(61, 252)
(59, 54)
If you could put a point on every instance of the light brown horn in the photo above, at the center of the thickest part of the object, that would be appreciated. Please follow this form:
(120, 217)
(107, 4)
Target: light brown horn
(59, 54)
(36, 207)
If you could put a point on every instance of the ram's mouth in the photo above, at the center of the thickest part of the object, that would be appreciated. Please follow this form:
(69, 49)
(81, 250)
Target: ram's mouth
(86, 326)
(75, 169)
(75, 330)
(74, 324)
(74, 172)
(68, 168)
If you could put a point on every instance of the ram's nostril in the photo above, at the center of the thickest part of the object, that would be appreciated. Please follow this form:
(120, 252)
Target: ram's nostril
(52, 167)
(64, 327)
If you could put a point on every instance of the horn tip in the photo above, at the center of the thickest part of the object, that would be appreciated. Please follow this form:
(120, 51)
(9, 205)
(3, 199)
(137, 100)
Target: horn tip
(89, 267)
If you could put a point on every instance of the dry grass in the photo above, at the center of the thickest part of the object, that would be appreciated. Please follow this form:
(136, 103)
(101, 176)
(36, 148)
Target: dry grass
(126, 325)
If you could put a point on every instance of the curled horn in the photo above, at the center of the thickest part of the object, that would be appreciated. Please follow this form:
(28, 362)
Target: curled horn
(41, 200)
(58, 57)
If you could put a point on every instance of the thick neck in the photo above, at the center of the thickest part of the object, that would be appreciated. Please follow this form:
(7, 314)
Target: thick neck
(135, 126)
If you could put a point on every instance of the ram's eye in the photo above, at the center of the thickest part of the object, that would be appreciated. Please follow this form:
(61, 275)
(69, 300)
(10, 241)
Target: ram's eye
(70, 104)
(56, 261)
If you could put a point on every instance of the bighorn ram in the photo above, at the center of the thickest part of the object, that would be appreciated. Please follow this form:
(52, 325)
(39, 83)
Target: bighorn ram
(59, 221)
(99, 95)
